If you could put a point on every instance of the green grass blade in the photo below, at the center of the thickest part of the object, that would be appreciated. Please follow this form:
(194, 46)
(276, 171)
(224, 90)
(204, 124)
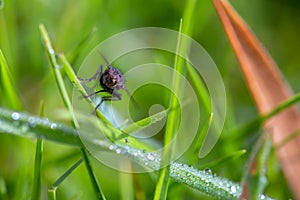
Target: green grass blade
(36, 188)
(173, 116)
(192, 153)
(57, 74)
(226, 158)
(162, 185)
(126, 184)
(287, 139)
(199, 86)
(52, 194)
(52, 190)
(7, 84)
(255, 179)
(80, 46)
(41, 128)
(66, 174)
(97, 188)
(144, 123)
(23, 124)
(63, 91)
(256, 123)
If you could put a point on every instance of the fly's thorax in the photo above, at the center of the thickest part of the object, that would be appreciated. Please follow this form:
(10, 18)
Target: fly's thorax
(112, 78)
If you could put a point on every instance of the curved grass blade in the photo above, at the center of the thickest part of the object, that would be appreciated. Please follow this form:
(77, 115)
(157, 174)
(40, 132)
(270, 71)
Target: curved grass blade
(146, 122)
(66, 100)
(7, 84)
(199, 139)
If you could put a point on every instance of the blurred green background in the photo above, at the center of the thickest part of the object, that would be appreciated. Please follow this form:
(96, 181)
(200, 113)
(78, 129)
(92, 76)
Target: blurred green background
(276, 23)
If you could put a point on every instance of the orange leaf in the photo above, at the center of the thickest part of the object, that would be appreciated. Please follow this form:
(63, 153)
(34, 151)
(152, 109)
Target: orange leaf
(268, 89)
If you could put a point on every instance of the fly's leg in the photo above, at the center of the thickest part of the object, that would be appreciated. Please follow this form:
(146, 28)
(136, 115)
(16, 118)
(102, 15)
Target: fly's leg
(92, 94)
(95, 76)
(114, 97)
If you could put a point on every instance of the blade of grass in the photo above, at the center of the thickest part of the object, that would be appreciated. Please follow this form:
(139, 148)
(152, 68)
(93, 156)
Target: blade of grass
(52, 194)
(60, 83)
(226, 158)
(257, 122)
(31, 126)
(255, 179)
(7, 85)
(79, 47)
(139, 192)
(56, 69)
(287, 139)
(36, 188)
(126, 182)
(207, 183)
(52, 190)
(199, 86)
(173, 116)
(198, 141)
(144, 123)
(162, 185)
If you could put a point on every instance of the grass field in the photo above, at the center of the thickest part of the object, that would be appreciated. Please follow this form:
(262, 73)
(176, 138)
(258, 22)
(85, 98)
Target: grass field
(30, 167)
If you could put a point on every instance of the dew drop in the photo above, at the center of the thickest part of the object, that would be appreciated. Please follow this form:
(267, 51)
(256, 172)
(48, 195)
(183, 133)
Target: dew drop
(118, 151)
(150, 157)
(15, 116)
(233, 189)
(208, 171)
(53, 126)
(31, 122)
(51, 51)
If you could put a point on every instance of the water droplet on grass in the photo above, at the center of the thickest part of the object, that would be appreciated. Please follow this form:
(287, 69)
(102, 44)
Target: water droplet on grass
(150, 157)
(53, 126)
(31, 122)
(118, 151)
(15, 116)
(233, 189)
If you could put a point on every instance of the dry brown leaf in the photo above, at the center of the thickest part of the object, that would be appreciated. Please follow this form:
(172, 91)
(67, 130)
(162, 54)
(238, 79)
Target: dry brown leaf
(268, 89)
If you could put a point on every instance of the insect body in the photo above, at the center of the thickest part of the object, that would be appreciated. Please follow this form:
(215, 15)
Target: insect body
(111, 80)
